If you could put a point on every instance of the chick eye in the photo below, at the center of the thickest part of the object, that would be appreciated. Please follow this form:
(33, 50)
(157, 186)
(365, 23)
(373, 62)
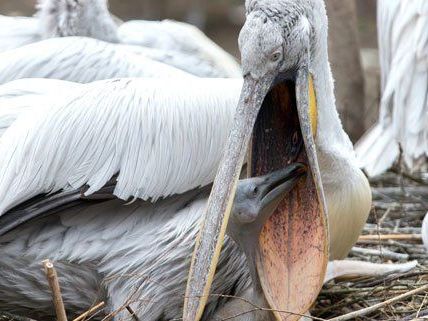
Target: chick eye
(255, 190)
(275, 56)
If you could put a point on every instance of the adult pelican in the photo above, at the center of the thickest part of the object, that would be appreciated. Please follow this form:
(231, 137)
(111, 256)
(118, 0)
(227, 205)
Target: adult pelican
(175, 43)
(403, 117)
(287, 77)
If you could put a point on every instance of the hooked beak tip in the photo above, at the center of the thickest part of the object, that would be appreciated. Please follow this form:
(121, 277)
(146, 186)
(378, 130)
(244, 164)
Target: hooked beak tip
(282, 181)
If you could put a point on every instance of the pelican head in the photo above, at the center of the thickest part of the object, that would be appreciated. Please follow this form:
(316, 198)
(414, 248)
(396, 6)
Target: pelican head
(257, 197)
(274, 38)
(275, 41)
(276, 44)
(86, 18)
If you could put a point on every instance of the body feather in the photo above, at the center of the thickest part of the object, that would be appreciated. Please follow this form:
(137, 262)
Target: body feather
(136, 255)
(175, 43)
(80, 60)
(162, 137)
(179, 37)
(19, 96)
(403, 118)
(17, 31)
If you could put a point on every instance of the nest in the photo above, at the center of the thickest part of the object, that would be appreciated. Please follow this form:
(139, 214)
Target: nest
(400, 202)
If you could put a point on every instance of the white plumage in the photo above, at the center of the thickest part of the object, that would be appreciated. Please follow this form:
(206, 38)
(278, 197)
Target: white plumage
(19, 96)
(403, 119)
(17, 31)
(175, 43)
(425, 231)
(162, 137)
(80, 59)
(174, 36)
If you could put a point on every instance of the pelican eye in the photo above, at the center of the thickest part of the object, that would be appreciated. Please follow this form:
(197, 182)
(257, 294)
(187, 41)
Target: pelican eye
(275, 56)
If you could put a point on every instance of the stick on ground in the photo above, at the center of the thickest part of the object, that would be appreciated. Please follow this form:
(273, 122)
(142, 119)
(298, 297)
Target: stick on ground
(56, 291)
(375, 307)
(90, 311)
(408, 237)
(384, 253)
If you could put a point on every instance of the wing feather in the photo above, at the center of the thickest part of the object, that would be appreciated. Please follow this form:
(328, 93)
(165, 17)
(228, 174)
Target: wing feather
(18, 96)
(79, 59)
(161, 137)
(173, 43)
(204, 57)
(403, 48)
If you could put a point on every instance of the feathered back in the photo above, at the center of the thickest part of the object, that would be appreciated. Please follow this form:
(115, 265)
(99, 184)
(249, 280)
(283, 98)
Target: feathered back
(161, 137)
(79, 59)
(17, 31)
(174, 43)
(182, 38)
(403, 49)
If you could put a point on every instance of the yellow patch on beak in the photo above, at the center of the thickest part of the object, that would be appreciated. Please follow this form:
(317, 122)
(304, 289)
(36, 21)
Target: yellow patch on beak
(313, 111)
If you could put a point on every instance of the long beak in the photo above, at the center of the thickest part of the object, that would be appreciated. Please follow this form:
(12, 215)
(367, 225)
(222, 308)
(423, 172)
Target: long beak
(293, 246)
(213, 228)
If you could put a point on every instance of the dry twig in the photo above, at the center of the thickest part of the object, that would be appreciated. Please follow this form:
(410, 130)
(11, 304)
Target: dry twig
(90, 311)
(384, 253)
(378, 306)
(56, 291)
(408, 237)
